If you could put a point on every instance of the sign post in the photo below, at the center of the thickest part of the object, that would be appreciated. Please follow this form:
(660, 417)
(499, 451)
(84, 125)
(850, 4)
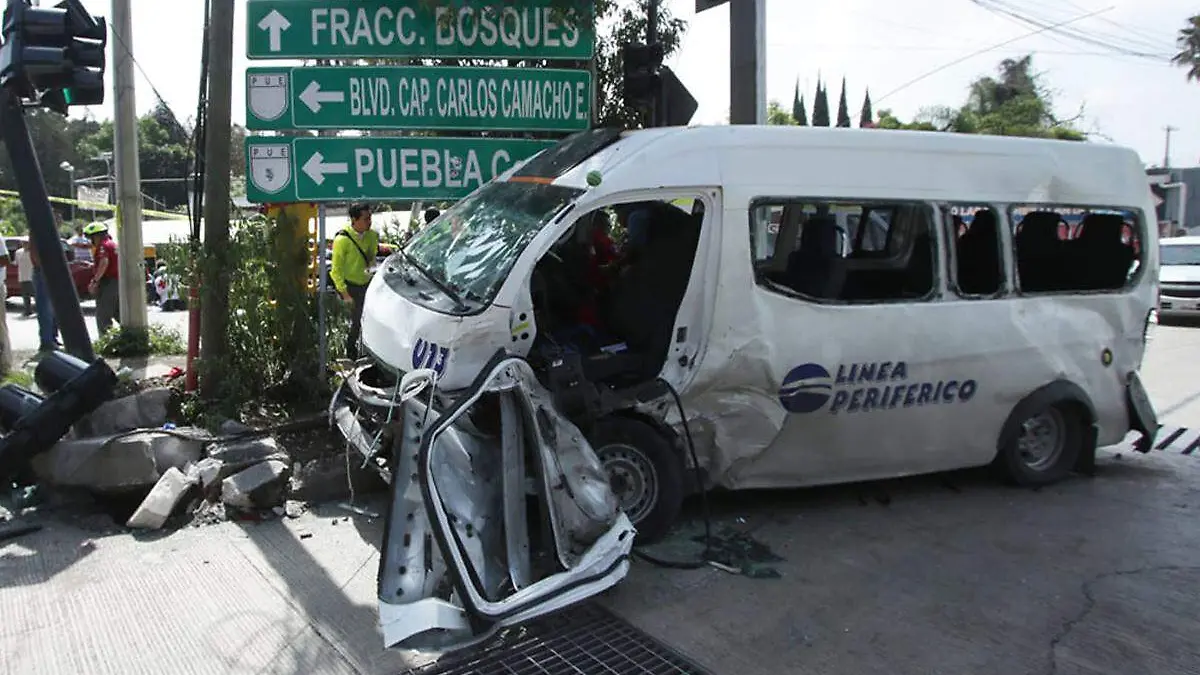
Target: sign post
(419, 97)
(341, 29)
(369, 168)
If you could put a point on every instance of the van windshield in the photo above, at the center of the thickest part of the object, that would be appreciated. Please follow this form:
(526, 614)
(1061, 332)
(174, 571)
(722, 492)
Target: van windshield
(1181, 255)
(471, 248)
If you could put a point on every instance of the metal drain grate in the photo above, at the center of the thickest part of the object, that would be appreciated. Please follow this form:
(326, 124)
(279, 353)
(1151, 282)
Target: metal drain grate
(582, 640)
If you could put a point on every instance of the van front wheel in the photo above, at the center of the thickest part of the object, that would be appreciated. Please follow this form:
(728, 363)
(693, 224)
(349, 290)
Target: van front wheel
(645, 473)
(1046, 447)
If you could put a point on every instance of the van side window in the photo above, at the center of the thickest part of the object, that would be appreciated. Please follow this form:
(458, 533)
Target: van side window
(845, 251)
(979, 265)
(1062, 249)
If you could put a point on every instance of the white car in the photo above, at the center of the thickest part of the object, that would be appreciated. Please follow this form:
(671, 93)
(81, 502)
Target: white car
(1179, 277)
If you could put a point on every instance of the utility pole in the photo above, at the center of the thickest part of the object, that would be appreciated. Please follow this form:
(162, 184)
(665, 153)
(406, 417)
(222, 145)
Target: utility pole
(747, 62)
(214, 284)
(129, 192)
(651, 40)
(1167, 151)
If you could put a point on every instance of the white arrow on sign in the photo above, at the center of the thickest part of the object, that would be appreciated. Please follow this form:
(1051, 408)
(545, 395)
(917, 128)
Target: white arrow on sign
(275, 23)
(317, 168)
(313, 97)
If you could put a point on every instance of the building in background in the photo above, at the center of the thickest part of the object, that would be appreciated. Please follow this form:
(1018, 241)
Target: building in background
(1178, 207)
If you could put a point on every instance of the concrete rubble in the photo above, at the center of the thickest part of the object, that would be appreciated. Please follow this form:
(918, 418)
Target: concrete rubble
(128, 449)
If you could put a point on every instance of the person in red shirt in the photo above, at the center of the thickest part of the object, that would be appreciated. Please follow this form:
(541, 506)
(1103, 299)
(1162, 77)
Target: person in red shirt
(104, 286)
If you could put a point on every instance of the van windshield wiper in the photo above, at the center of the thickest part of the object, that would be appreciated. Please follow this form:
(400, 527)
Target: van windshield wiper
(441, 285)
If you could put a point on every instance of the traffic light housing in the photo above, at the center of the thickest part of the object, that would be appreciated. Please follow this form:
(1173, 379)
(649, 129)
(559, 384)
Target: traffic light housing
(32, 424)
(53, 56)
(641, 65)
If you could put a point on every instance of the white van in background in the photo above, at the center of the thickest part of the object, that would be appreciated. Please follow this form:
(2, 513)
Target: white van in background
(1179, 278)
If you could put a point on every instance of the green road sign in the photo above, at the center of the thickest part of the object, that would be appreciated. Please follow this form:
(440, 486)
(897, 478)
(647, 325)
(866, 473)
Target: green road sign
(314, 169)
(418, 97)
(333, 29)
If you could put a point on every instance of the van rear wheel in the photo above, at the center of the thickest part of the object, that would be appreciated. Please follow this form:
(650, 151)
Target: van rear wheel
(1046, 447)
(645, 472)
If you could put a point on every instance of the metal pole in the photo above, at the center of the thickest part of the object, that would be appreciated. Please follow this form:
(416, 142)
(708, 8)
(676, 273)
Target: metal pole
(747, 62)
(132, 273)
(71, 176)
(1167, 150)
(323, 336)
(52, 260)
(652, 39)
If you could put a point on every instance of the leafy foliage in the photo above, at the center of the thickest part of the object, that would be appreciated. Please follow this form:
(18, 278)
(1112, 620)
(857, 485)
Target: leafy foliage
(1014, 103)
(778, 116)
(1188, 42)
(123, 342)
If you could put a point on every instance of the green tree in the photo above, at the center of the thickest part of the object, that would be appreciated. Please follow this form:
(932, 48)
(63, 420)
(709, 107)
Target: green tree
(866, 118)
(1188, 42)
(820, 116)
(843, 115)
(776, 115)
(1015, 102)
(798, 112)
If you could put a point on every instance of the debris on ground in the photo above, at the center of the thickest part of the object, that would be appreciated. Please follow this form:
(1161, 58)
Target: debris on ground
(259, 487)
(143, 410)
(739, 551)
(118, 463)
(328, 479)
(162, 501)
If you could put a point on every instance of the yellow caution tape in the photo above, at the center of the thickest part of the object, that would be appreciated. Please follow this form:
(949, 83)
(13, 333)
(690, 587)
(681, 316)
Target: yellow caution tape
(9, 195)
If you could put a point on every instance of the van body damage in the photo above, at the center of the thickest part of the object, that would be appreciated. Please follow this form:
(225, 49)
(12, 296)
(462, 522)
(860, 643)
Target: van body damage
(500, 510)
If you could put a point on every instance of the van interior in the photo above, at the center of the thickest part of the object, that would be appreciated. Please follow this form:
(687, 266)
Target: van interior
(607, 294)
(847, 252)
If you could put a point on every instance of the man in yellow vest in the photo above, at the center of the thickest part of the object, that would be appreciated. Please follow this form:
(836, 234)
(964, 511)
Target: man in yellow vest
(354, 252)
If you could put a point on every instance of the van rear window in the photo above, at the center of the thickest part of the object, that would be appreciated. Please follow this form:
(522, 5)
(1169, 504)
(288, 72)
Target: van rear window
(572, 151)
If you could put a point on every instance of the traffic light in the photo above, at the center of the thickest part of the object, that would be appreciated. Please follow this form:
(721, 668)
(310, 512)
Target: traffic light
(54, 56)
(642, 80)
(32, 424)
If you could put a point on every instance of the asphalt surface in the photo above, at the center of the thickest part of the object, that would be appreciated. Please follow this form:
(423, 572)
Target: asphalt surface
(950, 574)
(23, 330)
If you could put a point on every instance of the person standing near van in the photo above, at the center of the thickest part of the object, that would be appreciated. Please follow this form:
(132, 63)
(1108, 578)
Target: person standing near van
(25, 275)
(104, 285)
(354, 251)
(47, 323)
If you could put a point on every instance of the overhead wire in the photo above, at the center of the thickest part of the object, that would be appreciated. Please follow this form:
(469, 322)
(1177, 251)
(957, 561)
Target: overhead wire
(979, 52)
(1110, 42)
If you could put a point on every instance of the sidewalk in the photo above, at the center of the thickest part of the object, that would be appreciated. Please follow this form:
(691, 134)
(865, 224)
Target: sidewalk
(287, 596)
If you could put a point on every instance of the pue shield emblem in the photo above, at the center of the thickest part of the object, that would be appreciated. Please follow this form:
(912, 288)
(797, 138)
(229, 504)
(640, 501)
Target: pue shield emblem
(268, 95)
(271, 167)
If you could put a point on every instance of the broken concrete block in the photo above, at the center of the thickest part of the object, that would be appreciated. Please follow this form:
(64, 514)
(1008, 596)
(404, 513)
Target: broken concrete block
(293, 508)
(118, 463)
(144, 410)
(208, 472)
(162, 500)
(248, 452)
(260, 486)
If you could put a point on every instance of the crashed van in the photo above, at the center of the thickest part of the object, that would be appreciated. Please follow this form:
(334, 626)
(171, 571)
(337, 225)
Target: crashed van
(560, 358)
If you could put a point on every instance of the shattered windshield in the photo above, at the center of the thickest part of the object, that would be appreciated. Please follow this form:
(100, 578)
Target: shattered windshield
(471, 248)
(1180, 255)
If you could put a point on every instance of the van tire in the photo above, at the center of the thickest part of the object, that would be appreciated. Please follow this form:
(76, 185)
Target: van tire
(645, 471)
(1046, 447)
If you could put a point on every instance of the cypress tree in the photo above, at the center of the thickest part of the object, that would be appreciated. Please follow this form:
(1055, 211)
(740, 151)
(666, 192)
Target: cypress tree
(866, 119)
(820, 117)
(843, 118)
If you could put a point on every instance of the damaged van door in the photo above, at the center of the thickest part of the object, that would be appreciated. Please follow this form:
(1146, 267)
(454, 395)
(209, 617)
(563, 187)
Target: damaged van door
(500, 512)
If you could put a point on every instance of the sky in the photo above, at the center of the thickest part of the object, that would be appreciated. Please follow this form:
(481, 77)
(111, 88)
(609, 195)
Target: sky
(878, 45)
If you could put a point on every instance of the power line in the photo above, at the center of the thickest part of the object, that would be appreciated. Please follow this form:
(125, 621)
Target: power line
(1006, 8)
(985, 50)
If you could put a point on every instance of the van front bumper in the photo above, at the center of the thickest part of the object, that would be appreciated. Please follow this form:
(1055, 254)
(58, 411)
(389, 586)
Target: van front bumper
(500, 510)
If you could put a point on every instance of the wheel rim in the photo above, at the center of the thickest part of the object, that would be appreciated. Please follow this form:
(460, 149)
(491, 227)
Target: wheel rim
(1042, 440)
(633, 479)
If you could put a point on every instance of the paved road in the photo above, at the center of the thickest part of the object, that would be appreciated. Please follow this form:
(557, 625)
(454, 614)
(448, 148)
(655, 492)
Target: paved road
(23, 331)
(955, 575)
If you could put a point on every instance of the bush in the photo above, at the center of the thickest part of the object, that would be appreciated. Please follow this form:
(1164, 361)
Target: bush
(272, 351)
(125, 342)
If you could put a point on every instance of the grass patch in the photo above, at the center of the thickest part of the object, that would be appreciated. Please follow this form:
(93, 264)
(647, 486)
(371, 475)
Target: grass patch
(154, 341)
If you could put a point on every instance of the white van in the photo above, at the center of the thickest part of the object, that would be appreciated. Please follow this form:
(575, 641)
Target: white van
(749, 321)
(1180, 278)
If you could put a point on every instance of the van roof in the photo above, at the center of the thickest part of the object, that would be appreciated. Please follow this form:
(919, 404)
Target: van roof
(758, 161)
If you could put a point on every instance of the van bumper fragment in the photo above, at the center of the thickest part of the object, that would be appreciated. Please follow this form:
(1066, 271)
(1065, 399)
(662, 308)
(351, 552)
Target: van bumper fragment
(500, 510)
(1142, 416)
